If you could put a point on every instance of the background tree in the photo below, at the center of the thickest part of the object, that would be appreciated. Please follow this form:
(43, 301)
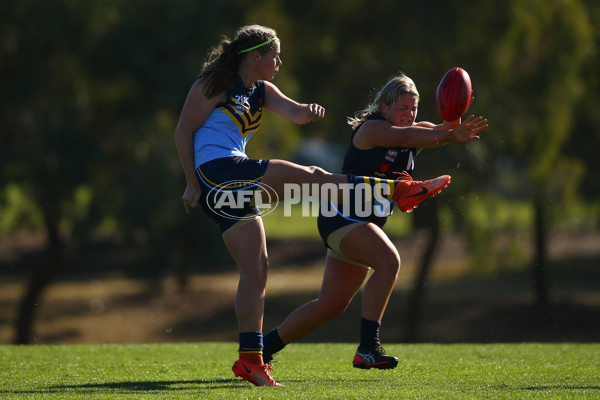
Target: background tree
(539, 54)
(91, 93)
(91, 97)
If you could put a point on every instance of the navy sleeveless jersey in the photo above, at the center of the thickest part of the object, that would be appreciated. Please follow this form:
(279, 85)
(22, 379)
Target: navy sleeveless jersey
(380, 162)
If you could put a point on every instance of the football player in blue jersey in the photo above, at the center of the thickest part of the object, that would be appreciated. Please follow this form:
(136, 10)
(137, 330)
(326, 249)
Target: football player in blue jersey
(384, 142)
(223, 109)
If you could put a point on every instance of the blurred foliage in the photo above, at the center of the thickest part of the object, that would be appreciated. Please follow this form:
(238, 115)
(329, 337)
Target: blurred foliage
(91, 93)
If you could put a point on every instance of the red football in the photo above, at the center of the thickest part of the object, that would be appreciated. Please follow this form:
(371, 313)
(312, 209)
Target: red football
(454, 94)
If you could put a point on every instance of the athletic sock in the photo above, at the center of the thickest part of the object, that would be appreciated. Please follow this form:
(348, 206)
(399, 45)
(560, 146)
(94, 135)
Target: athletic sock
(369, 333)
(251, 346)
(273, 344)
(373, 187)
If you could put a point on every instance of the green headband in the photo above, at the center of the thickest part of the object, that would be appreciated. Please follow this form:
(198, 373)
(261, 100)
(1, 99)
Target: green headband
(258, 45)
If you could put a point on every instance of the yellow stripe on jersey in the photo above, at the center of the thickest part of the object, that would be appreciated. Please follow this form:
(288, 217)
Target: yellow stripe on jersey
(391, 184)
(368, 189)
(246, 122)
(372, 181)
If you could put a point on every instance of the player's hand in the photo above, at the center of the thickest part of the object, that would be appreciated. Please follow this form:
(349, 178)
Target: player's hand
(469, 129)
(315, 112)
(453, 124)
(449, 125)
(191, 197)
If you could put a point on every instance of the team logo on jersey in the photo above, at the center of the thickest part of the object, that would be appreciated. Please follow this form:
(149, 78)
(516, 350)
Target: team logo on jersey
(384, 167)
(242, 103)
(240, 112)
(391, 155)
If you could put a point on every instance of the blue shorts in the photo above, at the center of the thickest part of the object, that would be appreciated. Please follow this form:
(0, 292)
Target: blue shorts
(333, 229)
(228, 185)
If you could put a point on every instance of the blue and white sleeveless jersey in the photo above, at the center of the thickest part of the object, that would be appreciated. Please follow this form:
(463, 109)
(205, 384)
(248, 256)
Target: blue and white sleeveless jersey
(231, 124)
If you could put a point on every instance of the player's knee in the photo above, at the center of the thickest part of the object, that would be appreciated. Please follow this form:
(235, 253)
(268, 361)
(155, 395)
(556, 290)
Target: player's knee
(389, 264)
(264, 265)
(255, 274)
(394, 262)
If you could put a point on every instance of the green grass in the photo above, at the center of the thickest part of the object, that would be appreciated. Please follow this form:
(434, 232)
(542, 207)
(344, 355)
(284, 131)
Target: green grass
(309, 371)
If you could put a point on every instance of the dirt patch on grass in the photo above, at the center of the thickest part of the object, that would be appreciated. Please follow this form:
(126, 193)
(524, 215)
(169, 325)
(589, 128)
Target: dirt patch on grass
(459, 306)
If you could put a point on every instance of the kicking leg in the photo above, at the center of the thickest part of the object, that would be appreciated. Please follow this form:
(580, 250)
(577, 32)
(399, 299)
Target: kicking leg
(406, 192)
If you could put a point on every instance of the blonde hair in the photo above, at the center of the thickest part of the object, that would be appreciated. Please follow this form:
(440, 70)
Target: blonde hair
(223, 61)
(390, 92)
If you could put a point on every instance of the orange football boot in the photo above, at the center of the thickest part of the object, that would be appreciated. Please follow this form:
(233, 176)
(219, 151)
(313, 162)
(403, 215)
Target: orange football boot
(254, 373)
(408, 193)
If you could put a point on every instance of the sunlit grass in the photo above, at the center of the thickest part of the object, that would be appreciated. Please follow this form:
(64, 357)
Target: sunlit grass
(309, 371)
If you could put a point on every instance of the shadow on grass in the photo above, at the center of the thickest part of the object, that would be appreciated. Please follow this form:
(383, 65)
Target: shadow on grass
(560, 387)
(152, 386)
(137, 386)
(553, 388)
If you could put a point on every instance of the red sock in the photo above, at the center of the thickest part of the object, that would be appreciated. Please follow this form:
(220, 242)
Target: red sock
(252, 358)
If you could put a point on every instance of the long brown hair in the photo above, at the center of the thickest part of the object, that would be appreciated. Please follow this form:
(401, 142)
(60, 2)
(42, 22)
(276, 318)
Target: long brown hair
(221, 66)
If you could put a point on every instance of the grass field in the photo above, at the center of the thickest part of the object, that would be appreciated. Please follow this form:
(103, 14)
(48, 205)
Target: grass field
(309, 371)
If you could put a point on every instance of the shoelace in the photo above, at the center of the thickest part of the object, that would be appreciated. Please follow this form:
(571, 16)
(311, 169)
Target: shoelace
(378, 348)
(404, 176)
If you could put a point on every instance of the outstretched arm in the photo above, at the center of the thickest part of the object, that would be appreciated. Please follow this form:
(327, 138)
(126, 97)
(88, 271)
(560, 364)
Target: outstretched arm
(421, 135)
(379, 133)
(296, 112)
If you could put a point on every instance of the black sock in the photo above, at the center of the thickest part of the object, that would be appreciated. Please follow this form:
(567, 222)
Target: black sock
(369, 333)
(272, 344)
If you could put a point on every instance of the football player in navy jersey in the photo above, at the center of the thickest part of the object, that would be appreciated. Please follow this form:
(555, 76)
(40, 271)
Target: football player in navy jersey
(384, 143)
